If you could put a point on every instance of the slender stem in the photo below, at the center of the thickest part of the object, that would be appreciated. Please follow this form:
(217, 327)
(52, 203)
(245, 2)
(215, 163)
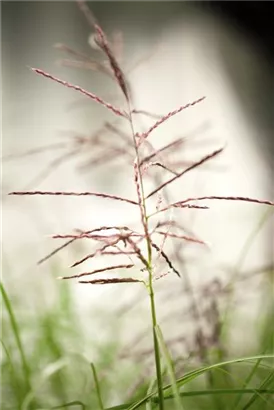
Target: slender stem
(144, 218)
(156, 345)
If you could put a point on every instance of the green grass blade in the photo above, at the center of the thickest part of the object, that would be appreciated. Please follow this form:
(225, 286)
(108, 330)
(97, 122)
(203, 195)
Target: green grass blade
(15, 329)
(65, 405)
(203, 393)
(264, 385)
(72, 403)
(14, 377)
(149, 391)
(223, 391)
(195, 373)
(30, 397)
(248, 379)
(170, 367)
(97, 387)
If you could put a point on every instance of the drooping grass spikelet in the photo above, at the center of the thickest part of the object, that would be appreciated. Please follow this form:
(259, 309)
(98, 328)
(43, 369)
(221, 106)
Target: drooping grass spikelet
(108, 268)
(56, 250)
(137, 251)
(110, 281)
(103, 43)
(195, 165)
(164, 255)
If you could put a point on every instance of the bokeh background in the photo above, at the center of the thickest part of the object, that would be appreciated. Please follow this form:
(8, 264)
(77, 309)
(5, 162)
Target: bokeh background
(176, 52)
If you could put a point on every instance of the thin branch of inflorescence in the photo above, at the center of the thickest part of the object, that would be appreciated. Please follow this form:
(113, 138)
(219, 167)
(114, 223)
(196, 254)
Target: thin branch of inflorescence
(164, 255)
(184, 237)
(94, 97)
(108, 268)
(195, 165)
(111, 281)
(75, 53)
(178, 205)
(225, 198)
(144, 135)
(97, 252)
(73, 238)
(64, 193)
(173, 144)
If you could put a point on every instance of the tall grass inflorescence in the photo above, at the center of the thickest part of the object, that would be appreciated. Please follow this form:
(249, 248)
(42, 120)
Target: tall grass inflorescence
(120, 241)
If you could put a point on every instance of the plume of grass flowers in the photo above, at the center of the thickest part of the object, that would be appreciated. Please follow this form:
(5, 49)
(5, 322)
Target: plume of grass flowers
(123, 240)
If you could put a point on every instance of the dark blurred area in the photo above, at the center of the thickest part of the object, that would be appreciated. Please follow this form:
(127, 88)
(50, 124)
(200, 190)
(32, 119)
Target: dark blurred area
(254, 18)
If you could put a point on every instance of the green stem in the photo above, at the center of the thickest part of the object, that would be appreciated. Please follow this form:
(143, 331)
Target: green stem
(156, 345)
(144, 217)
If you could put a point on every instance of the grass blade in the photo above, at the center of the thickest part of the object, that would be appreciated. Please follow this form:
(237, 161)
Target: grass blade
(150, 389)
(170, 367)
(195, 373)
(264, 385)
(248, 379)
(97, 386)
(14, 377)
(65, 405)
(15, 330)
(202, 393)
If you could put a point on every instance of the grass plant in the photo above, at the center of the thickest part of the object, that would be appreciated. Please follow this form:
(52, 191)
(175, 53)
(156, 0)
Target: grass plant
(141, 248)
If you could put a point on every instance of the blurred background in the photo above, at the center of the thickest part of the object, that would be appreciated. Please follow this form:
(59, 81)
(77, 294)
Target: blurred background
(173, 53)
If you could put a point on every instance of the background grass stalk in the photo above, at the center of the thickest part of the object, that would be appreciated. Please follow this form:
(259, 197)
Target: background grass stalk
(246, 248)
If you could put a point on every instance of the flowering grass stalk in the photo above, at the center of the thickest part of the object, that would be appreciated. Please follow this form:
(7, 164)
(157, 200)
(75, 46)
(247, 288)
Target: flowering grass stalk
(111, 244)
